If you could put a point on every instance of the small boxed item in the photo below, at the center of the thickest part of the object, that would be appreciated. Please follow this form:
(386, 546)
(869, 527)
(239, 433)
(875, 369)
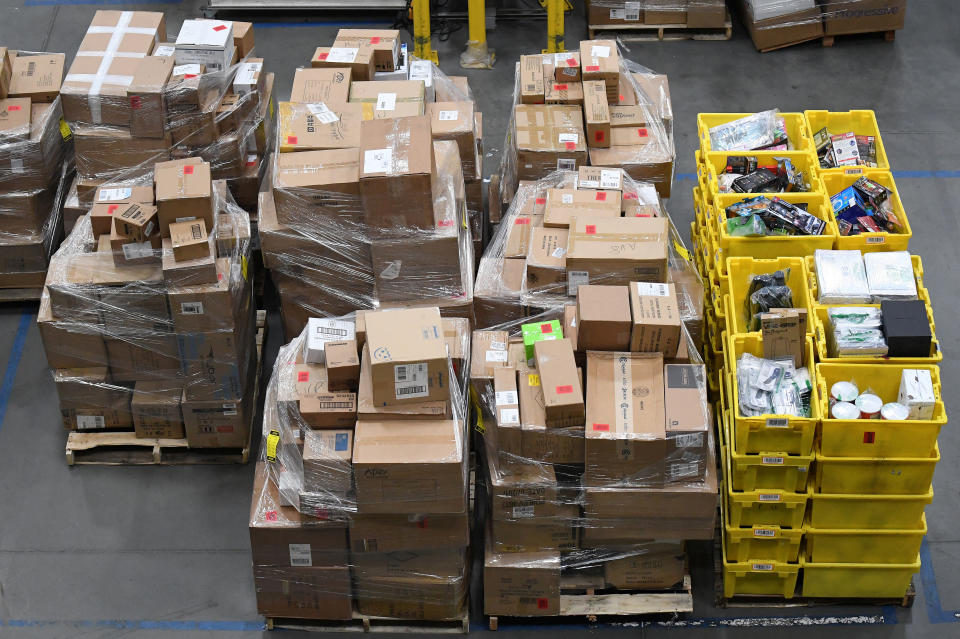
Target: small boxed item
(565, 204)
(384, 42)
(250, 77)
(136, 221)
(327, 456)
(388, 99)
(563, 93)
(598, 177)
(358, 59)
(656, 318)
(566, 66)
(562, 392)
(148, 104)
(329, 86)
(537, 332)
(320, 332)
(343, 364)
(189, 240)
(596, 113)
(603, 318)
(184, 192)
(532, 85)
(546, 257)
(916, 393)
(37, 77)
(600, 61)
(206, 42)
(618, 250)
(688, 421)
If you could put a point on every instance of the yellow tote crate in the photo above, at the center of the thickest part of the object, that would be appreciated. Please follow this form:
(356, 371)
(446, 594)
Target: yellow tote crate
(858, 580)
(854, 546)
(870, 476)
(763, 507)
(795, 438)
(741, 269)
(857, 122)
(771, 543)
(833, 183)
(797, 132)
(765, 470)
(762, 577)
(868, 512)
(772, 246)
(823, 328)
(876, 438)
(814, 285)
(715, 164)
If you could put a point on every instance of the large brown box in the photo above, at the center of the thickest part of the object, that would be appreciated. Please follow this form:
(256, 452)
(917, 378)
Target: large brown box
(529, 492)
(706, 14)
(109, 152)
(625, 431)
(330, 86)
(546, 258)
(611, 12)
(307, 127)
(37, 77)
(400, 533)
(148, 105)
(304, 593)
(523, 583)
(524, 535)
(409, 467)
(382, 100)
(89, 400)
(618, 250)
(369, 410)
(421, 597)
(316, 189)
(650, 161)
(184, 191)
(564, 204)
(69, 344)
(665, 11)
(408, 356)
(656, 567)
(212, 423)
(156, 409)
(548, 138)
(601, 61)
(688, 421)
(781, 31)
(656, 318)
(862, 16)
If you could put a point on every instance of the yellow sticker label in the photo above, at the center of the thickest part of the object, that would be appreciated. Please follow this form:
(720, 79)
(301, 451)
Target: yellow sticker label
(273, 440)
(65, 130)
(681, 250)
(480, 427)
(533, 379)
(243, 266)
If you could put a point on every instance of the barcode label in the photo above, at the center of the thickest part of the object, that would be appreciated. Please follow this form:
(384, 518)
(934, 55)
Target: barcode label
(768, 497)
(342, 54)
(446, 116)
(523, 512)
(498, 346)
(690, 440)
(137, 250)
(331, 331)
(609, 179)
(762, 567)
(764, 532)
(191, 308)
(187, 69)
(576, 279)
(876, 239)
(509, 416)
(16, 165)
(778, 422)
(652, 290)
(411, 391)
(687, 469)
(300, 555)
(386, 101)
(91, 422)
(566, 164)
(377, 160)
(496, 356)
(335, 405)
(569, 137)
(323, 114)
(229, 409)
(507, 398)
(773, 461)
(113, 195)
(164, 50)
(566, 198)
(410, 380)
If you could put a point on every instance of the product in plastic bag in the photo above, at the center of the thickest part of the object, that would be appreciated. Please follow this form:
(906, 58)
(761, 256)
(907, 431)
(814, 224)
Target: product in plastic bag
(751, 132)
(841, 278)
(890, 276)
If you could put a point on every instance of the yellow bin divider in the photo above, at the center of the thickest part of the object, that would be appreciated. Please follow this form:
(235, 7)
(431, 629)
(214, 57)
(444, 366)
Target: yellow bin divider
(798, 134)
(860, 122)
(858, 580)
(834, 182)
(879, 438)
(867, 512)
(858, 546)
(823, 328)
(740, 270)
(872, 476)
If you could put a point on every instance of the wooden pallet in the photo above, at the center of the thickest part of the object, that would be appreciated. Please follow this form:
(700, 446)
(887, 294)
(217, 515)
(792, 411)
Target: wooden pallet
(364, 623)
(888, 36)
(659, 32)
(126, 449)
(591, 605)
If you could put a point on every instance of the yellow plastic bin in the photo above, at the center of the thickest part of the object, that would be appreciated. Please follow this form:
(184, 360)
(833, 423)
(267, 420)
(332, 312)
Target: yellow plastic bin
(763, 543)
(714, 164)
(858, 580)
(796, 438)
(835, 182)
(868, 512)
(870, 476)
(778, 470)
(823, 329)
(858, 546)
(739, 272)
(759, 578)
(764, 507)
(877, 438)
(814, 285)
(860, 122)
(796, 125)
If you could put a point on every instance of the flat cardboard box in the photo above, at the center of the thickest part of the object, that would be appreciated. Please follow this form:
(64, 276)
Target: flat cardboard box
(423, 597)
(688, 421)
(14, 120)
(343, 365)
(626, 428)
(488, 353)
(391, 99)
(603, 318)
(148, 358)
(450, 562)
(528, 492)
(136, 221)
(243, 40)
(666, 12)
(90, 401)
(562, 392)
(601, 61)
(358, 59)
(564, 204)
(393, 533)
(524, 583)
(656, 318)
(189, 240)
(206, 42)
(367, 409)
(313, 127)
(330, 86)
(549, 138)
(651, 569)
(532, 86)
(408, 356)
(618, 250)
(546, 258)
(333, 410)
(156, 410)
(326, 462)
(784, 30)
(148, 107)
(409, 467)
(184, 192)
(396, 165)
(506, 402)
(307, 593)
(564, 93)
(385, 44)
(37, 77)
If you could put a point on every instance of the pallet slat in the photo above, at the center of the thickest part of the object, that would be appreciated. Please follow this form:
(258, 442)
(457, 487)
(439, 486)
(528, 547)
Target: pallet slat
(365, 623)
(660, 32)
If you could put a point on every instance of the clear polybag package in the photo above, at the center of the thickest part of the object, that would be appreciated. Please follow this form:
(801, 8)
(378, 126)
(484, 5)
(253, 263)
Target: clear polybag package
(755, 131)
(772, 387)
(841, 277)
(890, 276)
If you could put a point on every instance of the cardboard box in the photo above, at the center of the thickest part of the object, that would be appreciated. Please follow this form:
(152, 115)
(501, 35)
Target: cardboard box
(525, 583)
(488, 353)
(409, 467)
(148, 358)
(250, 77)
(557, 533)
(206, 42)
(187, 273)
(499, 301)
(648, 570)
(391, 99)
(384, 42)
(217, 423)
(367, 409)
(329, 86)
(563, 395)
(205, 306)
(14, 120)
(65, 347)
(297, 381)
(646, 162)
(311, 127)
(306, 593)
(863, 16)
(334, 410)
(688, 421)
(672, 12)
(564, 204)
(326, 462)
(184, 192)
(136, 221)
(233, 111)
(343, 365)
(603, 318)
(392, 533)
(546, 258)
(37, 77)
(783, 335)
(618, 250)
(564, 93)
(321, 331)
(601, 61)
(90, 401)
(626, 431)
(358, 59)
(532, 86)
(156, 410)
(783, 30)
(243, 40)
(420, 597)
(408, 356)
(656, 318)
(455, 121)
(566, 66)
(449, 563)
(148, 107)
(313, 185)
(189, 240)
(6, 71)
(107, 152)
(506, 404)
(549, 138)
(596, 113)
(612, 12)
(528, 492)
(706, 14)
(397, 166)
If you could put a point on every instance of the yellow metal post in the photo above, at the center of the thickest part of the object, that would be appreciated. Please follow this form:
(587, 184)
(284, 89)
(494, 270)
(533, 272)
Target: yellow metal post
(421, 32)
(555, 9)
(477, 55)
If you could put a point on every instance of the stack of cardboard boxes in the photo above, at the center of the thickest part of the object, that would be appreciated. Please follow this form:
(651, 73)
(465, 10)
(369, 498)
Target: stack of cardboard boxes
(693, 14)
(368, 201)
(133, 100)
(599, 449)
(147, 318)
(34, 154)
(362, 498)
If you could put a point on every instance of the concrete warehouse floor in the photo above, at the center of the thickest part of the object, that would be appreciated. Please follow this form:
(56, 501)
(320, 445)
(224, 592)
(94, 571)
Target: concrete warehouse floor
(99, 551)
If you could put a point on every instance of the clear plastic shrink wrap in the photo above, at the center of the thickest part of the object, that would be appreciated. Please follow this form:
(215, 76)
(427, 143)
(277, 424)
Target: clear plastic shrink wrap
(362, 503)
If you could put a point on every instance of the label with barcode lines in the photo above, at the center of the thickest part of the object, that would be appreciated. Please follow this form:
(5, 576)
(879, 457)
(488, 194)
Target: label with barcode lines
(778, 422)
(566, 164)
(523, 512)
(768, 497)
(191, 308)
(410, 380)
(764, 532)
(876, 239)
(762, 567)
(300, 555)
(686, 469)
(90, 422)
(773, 461)
(576, 279)
(689, 440)
(335, 405)
(506, 398)
(509, 416)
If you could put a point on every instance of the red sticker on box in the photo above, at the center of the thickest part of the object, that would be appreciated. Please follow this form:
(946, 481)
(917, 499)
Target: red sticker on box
(219, 277)
(621, 97)
(869, 437)
(541, 200)
(599, 136)
(190, 75)
(322, 56)
(423, 522)
(112, 208)
(291, 139)
(603, 427)
(642, 132)
(375, 40)
(135, 102)
(522, 220)
(303, 376)
(564, 390)
(560, 87)
(543, 603)
(220, 27)
(629, 196)
(546, 328)
(444, 223)
(16, 107)
(601, 196)
(224, 429)
(271, 515)
(591, 229)
(592, 67)
(188, 170)
(571, 62)
(251, 162)
(570, 145)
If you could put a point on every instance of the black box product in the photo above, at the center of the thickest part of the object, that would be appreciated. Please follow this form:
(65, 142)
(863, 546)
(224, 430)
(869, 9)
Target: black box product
(906, 328)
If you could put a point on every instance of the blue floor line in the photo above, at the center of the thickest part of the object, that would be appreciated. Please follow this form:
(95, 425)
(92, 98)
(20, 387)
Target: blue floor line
(16, 351)
(931, 594)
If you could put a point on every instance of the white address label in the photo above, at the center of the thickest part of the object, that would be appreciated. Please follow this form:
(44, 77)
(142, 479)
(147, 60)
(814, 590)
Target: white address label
(496, 356)
(509, 416)
(410, 380)
(322, 112)
(576, 279)
(507, 398)
(342, 54)
(113, 195)
(377, 160)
